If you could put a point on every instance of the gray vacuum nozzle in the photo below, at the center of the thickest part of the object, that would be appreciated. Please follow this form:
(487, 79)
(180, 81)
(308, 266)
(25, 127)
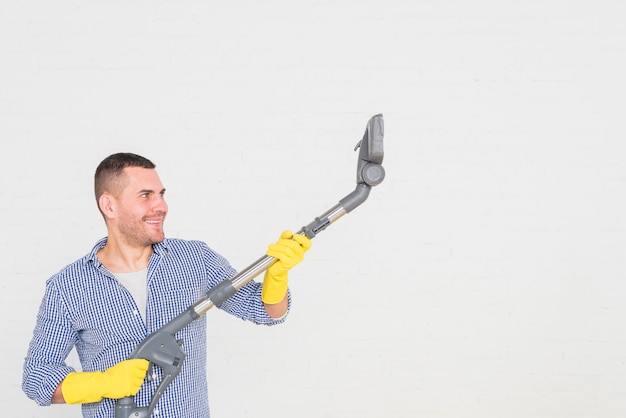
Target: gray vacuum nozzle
(369, 171)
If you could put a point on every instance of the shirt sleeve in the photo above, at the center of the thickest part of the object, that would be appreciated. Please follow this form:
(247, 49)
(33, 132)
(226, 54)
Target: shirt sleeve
(52, 341)
(246, 304)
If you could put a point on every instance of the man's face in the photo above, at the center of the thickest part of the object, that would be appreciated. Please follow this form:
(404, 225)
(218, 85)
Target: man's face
(140, 208)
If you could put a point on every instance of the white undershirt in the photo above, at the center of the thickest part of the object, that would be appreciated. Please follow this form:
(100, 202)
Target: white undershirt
(135, 283)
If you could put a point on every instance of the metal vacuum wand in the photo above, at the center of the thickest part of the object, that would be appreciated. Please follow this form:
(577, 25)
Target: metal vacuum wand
(370, 172)
(162, 349)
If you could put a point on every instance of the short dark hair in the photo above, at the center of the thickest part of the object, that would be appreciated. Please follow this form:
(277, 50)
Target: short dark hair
(112, 166)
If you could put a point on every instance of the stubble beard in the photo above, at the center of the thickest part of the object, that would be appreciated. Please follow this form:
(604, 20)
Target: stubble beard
(137, 235)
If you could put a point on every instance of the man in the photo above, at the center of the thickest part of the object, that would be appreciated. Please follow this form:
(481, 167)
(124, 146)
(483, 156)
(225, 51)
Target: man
(131, 283)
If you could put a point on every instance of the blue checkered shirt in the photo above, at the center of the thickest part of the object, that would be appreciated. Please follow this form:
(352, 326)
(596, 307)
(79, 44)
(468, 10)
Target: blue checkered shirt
(85, 307)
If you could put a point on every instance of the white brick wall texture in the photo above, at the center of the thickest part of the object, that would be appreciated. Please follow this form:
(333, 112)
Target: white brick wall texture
(483, 278)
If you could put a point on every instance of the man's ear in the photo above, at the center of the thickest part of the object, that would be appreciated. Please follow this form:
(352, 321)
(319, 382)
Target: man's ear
(106, 204)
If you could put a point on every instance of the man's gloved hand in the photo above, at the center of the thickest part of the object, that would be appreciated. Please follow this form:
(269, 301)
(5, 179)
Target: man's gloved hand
(288, 251)
(123, 379)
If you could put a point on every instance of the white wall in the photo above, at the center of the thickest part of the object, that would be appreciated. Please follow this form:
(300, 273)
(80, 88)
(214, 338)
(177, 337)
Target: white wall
(482, 278)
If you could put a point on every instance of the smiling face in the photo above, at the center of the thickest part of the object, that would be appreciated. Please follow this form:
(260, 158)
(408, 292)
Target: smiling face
(135, 208)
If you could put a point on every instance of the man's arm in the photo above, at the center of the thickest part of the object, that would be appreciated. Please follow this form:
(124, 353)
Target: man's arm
(57, 396)
(277, 310)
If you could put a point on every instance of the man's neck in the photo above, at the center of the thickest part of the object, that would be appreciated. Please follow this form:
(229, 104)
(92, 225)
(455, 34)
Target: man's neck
(119, 257)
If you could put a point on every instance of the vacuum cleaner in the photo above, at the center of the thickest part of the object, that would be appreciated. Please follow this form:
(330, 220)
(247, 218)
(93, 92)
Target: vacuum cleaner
(162, 349)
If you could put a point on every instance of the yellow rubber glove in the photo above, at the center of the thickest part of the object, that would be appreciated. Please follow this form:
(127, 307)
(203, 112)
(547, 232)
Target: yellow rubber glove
(123, 379)
(288, 251)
